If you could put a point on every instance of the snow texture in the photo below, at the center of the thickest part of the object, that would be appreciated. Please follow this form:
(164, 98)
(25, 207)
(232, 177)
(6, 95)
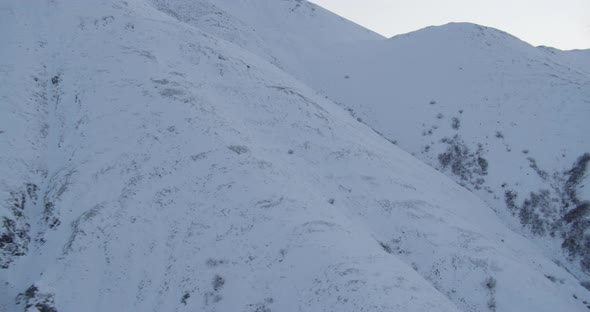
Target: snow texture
(178, 156)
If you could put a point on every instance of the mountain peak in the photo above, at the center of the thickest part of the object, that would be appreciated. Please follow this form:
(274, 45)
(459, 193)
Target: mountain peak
(463, 33)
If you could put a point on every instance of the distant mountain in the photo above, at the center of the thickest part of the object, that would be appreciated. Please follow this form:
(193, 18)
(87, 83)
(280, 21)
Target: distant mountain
(182, 156)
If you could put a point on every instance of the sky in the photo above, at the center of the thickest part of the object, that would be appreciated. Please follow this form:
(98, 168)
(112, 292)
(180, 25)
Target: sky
(563, 24)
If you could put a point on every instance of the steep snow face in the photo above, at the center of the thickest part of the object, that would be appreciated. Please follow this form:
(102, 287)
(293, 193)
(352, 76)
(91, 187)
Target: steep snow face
(289, 23)
(209, 17)
(147, 165)
(286, 33)
(504, 86)
(503, 118)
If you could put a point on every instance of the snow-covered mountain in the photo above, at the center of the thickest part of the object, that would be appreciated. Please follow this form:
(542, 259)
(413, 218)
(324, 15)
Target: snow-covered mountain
(155, 159)
(503, 118)
(464, 98)
(287, 33)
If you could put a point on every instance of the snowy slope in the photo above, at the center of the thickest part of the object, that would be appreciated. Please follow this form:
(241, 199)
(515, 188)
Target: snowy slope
(486, 83)
(149, 165)
(503, 118)
(287, 33)
(579, 59)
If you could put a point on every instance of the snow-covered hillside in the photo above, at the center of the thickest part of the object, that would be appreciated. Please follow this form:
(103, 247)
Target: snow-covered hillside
(151, 162)
(503, 118)
(287, 33)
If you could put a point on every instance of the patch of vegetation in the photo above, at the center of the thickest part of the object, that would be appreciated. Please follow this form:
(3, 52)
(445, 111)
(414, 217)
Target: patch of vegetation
(261, 306)
(455, 123)
(49, 215)
(214, 296)
(239, 149)
(528, 211)
(558, 211)
(218, 282)
(214, 262)
(55, 80)
(510, 200)
(483, 165)
(490, 284)
(575, 176)
(32, 297)
(185, 297)
(162, 81)
(386, 247)
(43, 307)
(469, 167)
(14, 229)
(554, 279)
(542, 173)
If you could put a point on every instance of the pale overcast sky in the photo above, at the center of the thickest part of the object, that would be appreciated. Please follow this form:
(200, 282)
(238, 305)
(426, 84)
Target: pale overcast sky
(564, 24)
